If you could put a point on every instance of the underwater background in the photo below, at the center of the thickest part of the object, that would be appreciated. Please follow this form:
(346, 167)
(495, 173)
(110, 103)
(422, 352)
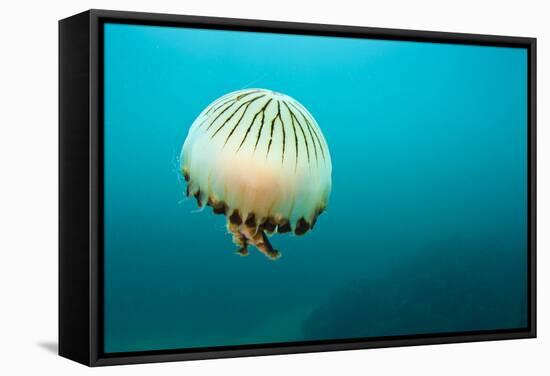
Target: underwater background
(426, 228)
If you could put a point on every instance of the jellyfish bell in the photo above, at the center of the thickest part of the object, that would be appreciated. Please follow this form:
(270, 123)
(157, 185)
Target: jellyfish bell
(259, 158)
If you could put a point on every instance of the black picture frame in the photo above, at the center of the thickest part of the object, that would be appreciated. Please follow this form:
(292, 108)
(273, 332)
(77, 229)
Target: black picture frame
(81, 201)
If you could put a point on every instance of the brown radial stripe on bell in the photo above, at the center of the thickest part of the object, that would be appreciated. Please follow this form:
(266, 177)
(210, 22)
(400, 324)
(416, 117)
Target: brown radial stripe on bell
(185, 175)
(301, 227)
(250, 220)
(235, 217)
(269, 225)
(187, 192)
(284, 226)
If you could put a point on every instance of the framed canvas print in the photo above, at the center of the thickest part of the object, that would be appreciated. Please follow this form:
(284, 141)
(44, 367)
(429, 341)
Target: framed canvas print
(236, 187)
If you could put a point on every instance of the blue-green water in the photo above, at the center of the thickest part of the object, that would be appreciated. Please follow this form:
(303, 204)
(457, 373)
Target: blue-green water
(426, 227)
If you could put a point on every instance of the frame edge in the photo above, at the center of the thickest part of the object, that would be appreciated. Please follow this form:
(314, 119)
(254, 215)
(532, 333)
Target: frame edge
(96, 358)
(74, 274)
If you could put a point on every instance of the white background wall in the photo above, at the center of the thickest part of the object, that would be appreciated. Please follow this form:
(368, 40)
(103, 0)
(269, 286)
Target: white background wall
(28, 185)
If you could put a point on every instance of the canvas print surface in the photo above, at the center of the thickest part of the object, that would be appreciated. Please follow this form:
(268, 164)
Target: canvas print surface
(264, 188)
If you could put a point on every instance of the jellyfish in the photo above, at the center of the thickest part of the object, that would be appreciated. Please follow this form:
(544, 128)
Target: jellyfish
(259, 158)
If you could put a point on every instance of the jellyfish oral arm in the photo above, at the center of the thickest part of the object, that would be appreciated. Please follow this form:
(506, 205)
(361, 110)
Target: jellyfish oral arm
(244, 235)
